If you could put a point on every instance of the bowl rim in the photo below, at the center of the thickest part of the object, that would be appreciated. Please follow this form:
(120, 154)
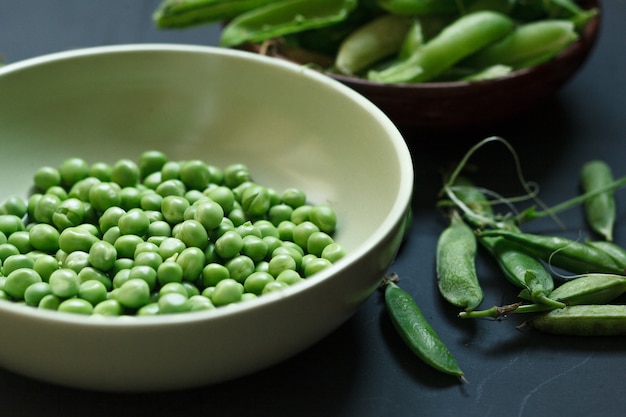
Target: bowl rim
(394, 216)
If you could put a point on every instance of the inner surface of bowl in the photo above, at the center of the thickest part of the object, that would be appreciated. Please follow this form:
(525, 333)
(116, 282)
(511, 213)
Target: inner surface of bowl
(293, 128)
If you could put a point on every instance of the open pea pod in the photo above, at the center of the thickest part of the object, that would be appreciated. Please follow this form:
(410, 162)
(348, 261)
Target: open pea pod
(184, 13)
(283, 18)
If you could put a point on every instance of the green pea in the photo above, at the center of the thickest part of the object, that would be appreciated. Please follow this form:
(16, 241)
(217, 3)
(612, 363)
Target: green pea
(254, 247)
(131, 198)
(80, 190)
(237, 215)
(73, 170)
(209, 214)
(13, 262)
(192, 260)
(108, 307)
(302, 232)
(333, 252)
(193, 233)
(76, 261)
(223, 196)
(105, 195)
(151, 161)
(145, 273)
(173, 287)
(101, 171)
(200, 303)
(45, 265)
(126, 245)
(255, 200)
(110, 217)
(173, 303)
(600, 210)
(280, 213)
(64, 283)
(281, 262)
(289, 277)
(14, 205)
(195, 174)
(21, 240)
(102, 255)
(92, 291)
(89, 273)
(229, 244)
(170, 171)
(133, 293)
(35, 292)
(111, 235)
(134, 222)
(315, 265)
(274, 286)
(151, 201)
(76, 239)
(59, 192)
(148, 258)
(44, 237)
(19, 280)
(301, 214)
(170, 247)
(172, 187)
(256, 281)
(49, 302)
(160, 228)
(324, 217)
(45, 208)
(291, 251)
(263, 266)
(76, 306)
(46, 177)
(286, 229)
(70, 212)
(213, 273)
(120, 276)
(125, 173)
(293, 197)
(169, 271)
(173, 208)
(235, 175)
(227, 291)
(240, 267)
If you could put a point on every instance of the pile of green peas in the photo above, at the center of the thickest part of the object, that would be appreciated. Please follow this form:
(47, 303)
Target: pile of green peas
(157, 236)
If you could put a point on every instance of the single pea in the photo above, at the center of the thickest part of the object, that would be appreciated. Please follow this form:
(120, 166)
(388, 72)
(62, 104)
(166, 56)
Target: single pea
(195, 174)
(13, 262)
(110, 217)
(120, 277)
(93, 291)
(193, 233)
(289, 277)
(33, 201)
(145, 273)
(131, 198)
(73, 170)
(111, 235)
(171, 187)
(150, 309)
(64, 283)
(125, 173)
(255, 201)
(274, 286)
(281, 262)
(272, 243)
(49, 302)
(76, 261)
(256, 281)
(226, 292)
(291, 251)
(279, 213)
(240, 267)
(108, 307)
(254, 247)
(45, 265)
(46, 177)
(302, 232)
(170, 170)
(169, 271)
(173, 303)
(14, 205)
(76, 306)
(223, 196)
(262, 266)
(21, 240)
(45, 208)
(195, 196)
(102, 255)
(44, 237)
(200, 303)
(293, 197)
(160, 228)
(35, 292)
(151, 259)
(133, 293)
(101, 171)
(210, 254)
(105, 195)
(324, 217)
(237, 216)
(91, 274)
(229, 244)
(317, 242)
(213, 273)
(315, 265)
(285, 230)
(19, 280)
(235, 175)
(70, 212)
(76, 239)
(191, 288)
(151, 201)
(173, 208)
(266, 228)
(151, 161)
(248, 229)
(225, 225)
(59, 192)
(134, 222)
(239, 190)
(126, 245)
(333, 252)
(170, 247)
(192, 260)
(80, 190)
(209, 213)
(301, 214)
(173, 287)
(4, 295)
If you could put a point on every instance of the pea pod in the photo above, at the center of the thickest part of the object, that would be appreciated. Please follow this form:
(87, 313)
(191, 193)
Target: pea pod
(282, 18)
(457, 279)
(414, 329)
(378, 39)
(583, 320)
(529, 44)
(615, 251)
(184, 13)
(420, 7)
(460, 39)
(560, 252)
(600, 209)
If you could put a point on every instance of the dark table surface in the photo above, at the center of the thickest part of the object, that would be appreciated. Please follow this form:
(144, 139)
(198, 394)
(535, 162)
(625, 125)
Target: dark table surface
(363, 369)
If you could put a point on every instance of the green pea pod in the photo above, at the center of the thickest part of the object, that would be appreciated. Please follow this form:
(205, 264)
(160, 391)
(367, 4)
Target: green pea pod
(460, 39)
(377, 39)
(615, 251)
(600, 209)
(184, 13)
(283, 18)
(417, 333)
(420, 7)
(456, 265)
(475, 200)
(529, 44)
(560, 252)
(590, 289)
(583, 320)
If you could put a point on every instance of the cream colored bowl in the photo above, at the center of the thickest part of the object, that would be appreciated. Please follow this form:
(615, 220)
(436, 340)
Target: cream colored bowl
(290, 125)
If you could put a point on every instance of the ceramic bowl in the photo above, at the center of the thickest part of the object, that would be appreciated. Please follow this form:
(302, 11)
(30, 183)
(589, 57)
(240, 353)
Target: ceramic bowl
(454, 106)
(293, 127)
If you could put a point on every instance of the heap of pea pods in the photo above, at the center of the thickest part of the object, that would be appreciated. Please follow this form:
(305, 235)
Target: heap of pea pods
(157, 236)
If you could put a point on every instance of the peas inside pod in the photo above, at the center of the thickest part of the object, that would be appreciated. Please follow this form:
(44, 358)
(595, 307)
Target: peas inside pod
(157, 236)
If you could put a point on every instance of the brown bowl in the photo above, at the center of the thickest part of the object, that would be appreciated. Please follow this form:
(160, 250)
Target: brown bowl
(451, 106)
